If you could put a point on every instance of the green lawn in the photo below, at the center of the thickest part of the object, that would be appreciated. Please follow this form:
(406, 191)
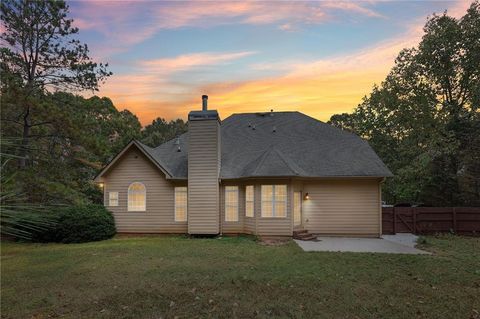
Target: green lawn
(168, 277)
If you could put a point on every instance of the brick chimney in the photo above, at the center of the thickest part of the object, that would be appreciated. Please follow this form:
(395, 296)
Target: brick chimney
(203, 170)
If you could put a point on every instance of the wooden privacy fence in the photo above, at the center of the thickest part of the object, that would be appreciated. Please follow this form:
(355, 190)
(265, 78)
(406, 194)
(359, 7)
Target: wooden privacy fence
(425, 220)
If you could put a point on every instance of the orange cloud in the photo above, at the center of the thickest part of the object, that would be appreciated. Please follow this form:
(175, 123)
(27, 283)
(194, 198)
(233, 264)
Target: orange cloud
(187, 61)
(351, 6)
(150, 89)
(319, 88)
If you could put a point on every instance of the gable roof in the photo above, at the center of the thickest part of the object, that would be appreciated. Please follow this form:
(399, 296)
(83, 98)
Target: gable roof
(274, 144)
(272, 163)
(146, 150)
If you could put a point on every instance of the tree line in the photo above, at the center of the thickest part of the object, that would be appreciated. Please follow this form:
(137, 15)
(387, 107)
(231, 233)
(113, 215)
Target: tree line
(423, 120)
(53, 140)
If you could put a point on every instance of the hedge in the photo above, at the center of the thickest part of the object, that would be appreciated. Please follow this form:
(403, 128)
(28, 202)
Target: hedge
(79, 224)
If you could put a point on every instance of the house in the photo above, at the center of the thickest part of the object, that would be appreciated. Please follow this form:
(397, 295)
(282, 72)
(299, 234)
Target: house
(257, 173)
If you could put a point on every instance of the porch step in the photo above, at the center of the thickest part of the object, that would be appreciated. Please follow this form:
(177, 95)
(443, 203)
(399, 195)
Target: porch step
(299, 232)
(306, 237)
(303, 235)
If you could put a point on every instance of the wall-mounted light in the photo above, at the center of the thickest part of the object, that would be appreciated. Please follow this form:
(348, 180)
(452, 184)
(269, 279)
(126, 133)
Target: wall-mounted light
(101, 185)
(306, 197)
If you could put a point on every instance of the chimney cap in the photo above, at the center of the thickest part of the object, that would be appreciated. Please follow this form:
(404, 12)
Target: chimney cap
(204, 102)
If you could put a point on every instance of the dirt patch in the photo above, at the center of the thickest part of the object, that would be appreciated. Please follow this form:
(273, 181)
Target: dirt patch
(273, 241)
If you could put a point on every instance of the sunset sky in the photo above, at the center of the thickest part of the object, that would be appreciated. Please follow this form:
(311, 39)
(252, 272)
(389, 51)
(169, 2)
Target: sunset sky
(319, 58)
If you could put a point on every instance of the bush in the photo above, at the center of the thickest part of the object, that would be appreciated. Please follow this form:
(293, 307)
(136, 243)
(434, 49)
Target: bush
(78, 224)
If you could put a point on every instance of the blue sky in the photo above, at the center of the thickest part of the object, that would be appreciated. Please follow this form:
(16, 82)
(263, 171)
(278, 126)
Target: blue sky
(317, 57)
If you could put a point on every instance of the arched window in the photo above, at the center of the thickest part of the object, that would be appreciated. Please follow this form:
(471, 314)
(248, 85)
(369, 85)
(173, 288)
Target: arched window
(137, 197)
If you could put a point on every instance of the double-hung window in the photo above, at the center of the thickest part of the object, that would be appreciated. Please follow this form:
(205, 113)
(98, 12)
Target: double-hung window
(180, 204)
(274, 200)
(249, 201)
(112, 198)
(231, 203)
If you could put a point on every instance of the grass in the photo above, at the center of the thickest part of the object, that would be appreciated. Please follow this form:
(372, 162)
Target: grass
(177, 277)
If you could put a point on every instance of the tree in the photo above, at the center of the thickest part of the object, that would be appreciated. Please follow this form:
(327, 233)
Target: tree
(161, 131)
(38, 53)
(424, 119)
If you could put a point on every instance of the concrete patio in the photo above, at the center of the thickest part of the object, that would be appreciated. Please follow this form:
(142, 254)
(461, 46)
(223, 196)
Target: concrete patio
(391, 244)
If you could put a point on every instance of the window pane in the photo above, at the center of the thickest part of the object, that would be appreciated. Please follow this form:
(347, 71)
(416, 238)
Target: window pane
(249, 193)
(113, 199)
(274, 201)
(267, 191)
(231, 203)
(249, 201)
(280, 209)
(280, 205)
(267, 200)
(230, 197)
(180, 214)
(136, 197)
(231, 214)
(249, 210)
(181, 198)
(280, 192)
(267, 209)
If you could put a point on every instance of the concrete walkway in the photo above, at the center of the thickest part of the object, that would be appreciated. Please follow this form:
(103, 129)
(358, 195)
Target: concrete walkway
(406, 239)
(393, 245)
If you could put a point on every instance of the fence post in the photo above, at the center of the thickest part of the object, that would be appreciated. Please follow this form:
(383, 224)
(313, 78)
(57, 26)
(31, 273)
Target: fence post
(414, 218)
(454, 215)
(394, 221)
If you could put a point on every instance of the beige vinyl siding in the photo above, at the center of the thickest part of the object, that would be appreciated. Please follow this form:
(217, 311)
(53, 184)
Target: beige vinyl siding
(233, 227)
(342, 207)
(249, 225)
(133, 166)
(203, 173)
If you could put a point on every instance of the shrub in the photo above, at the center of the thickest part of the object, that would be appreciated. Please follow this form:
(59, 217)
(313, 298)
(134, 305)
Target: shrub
(78, 224)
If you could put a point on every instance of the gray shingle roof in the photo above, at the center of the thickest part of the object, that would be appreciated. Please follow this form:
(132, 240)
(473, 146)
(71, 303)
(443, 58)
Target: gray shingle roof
(280, 144)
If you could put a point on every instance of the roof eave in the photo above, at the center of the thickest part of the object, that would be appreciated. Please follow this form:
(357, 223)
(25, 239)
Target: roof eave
(307, 177)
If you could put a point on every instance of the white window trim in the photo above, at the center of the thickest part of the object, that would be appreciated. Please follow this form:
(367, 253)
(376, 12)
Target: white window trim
(110, 199)
(186, 204)
(231, 189)
(142, 209)
(252, 202)
(299, 207)
(273, 200)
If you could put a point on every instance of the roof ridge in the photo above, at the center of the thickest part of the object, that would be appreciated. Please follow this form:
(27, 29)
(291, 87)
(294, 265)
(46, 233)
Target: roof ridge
(288, 163)
(247, 113)
(263, 157)
(291, 165)
(170, 140)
